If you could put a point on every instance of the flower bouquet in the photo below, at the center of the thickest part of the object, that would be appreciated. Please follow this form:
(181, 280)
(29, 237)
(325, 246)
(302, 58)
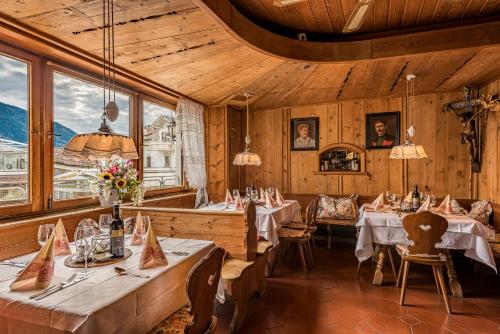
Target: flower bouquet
(117, 180)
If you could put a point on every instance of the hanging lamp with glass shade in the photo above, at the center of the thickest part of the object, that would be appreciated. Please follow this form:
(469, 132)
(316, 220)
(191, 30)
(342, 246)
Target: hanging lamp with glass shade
(408, 150)
(246, 157)
(104, 144)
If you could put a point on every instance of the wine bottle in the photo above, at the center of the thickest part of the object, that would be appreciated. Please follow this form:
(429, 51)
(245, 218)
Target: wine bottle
(415, 199)
(117, 233)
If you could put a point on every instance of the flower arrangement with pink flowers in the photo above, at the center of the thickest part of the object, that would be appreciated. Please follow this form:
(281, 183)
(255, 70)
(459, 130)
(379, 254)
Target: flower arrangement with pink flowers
(122, 177)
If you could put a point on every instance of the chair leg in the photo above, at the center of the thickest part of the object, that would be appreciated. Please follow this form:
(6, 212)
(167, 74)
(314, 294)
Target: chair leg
(392, 261)
(329, 230)
(359, 268)
(398, 280)
(438, 289)
(308, 248)
(315, 248)
(405, 277)
(302, 259)
(439, 273)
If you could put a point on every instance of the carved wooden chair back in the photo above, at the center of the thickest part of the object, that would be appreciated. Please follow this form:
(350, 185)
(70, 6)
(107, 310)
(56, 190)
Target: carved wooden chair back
(202, 284)
(425, 229)
(314, 211)
(310, 214)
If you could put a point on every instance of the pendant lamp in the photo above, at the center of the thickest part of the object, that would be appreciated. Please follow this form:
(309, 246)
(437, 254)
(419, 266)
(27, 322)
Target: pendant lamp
(409, 150)
(246, 157)
(105, 144)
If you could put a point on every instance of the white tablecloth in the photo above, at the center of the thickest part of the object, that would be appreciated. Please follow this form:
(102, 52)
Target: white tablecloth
(268, 221)
(386, 228)
(105, 302)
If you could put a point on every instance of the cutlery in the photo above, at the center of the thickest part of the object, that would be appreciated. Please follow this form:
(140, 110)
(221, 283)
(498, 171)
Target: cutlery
(64, 286)
(71, 278)
(21, 264)
(176, 253)
(121, 271)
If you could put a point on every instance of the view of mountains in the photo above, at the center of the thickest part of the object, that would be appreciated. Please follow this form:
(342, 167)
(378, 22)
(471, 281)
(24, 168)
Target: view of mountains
(13, 126)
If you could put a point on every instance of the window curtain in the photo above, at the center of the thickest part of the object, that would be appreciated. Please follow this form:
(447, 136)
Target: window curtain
(191, 131)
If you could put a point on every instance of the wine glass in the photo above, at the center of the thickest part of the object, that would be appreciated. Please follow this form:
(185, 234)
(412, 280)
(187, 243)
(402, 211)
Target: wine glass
(432, 200)
(270, 191)
(388, 196)
(254, 195)
(396, 200)
(44, 233)
(83, 242)
(105, 223)
(236, 192)
(248, 191)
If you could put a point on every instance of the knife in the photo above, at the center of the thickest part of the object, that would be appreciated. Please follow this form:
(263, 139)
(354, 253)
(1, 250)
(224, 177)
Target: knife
(71, 278)
(176, 253)
(14, 264)
(59, 288)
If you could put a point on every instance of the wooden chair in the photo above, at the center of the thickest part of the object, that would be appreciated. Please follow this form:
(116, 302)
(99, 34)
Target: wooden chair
(301, 238)
(202, 284)
(424, 229)
(312, 225)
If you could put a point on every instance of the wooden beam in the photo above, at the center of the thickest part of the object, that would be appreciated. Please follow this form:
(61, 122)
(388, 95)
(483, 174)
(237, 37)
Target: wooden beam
(456, 37)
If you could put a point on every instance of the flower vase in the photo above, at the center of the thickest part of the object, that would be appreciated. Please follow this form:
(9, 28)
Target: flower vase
(108, 203)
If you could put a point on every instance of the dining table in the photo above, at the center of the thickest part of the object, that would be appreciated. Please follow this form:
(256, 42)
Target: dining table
(268, 220)
(384, 228)
(105, 302)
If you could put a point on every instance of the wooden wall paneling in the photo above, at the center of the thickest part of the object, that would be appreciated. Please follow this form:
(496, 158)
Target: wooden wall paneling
(285, 150)
(235, 142)
(489, 179)
(217, 157)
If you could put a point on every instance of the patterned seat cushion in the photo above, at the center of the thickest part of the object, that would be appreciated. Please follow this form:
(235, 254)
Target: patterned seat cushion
(291, 233)
(174, 324)
(337, 208)
(481, 211)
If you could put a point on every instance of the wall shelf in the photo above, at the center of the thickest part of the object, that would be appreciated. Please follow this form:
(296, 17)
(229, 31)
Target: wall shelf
(341, 159)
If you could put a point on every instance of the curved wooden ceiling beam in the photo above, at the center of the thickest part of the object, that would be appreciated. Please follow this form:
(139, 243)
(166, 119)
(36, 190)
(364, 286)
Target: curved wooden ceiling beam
(458, 37)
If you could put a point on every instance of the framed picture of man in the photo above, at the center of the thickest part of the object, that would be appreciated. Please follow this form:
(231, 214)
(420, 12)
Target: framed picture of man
(304, 133)
(382, 130)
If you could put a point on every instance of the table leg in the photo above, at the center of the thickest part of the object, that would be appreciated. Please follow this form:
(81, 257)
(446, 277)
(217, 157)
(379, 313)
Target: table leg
(455, 286)
(378, 277)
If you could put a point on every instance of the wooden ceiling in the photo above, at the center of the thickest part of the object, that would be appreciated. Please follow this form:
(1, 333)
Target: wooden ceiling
(176, 44)
(324, 19)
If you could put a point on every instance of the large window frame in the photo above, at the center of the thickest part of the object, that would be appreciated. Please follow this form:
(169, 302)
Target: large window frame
(41, 117)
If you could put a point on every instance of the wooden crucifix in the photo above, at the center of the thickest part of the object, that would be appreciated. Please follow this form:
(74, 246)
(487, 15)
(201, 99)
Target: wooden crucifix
(470, 113)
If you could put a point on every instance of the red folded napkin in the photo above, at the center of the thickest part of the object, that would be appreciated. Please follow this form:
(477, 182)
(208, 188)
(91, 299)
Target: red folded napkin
(39, 272)
(262, 197)
(229, 198)
(139, 230)
(61, 243)
(269, 202)
(152, 253)
(279, 198)
(238, 203)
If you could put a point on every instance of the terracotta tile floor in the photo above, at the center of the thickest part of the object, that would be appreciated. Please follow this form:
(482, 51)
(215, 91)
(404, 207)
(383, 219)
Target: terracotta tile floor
(334, 300)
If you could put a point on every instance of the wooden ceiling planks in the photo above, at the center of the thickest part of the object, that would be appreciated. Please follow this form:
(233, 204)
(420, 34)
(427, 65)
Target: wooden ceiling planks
(177, 45)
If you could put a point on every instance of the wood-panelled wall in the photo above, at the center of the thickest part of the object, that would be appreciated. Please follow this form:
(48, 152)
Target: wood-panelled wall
(445, 171)
(489, 179)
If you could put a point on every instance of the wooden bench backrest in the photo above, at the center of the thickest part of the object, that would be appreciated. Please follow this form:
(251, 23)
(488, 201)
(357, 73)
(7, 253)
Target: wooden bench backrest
(235, 231)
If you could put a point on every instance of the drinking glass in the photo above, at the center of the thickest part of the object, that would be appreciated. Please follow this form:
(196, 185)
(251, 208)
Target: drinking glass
(254, 195)
(44, 232)
(432, 200)
(83, 242)
(105, 223)
(270, 191)
(388, 196)
(396, 200)
(236, 192)
(248, 190)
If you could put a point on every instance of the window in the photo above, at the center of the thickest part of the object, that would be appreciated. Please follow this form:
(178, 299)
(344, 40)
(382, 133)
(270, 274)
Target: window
(14, 130)
(78, 109)
(163, 158)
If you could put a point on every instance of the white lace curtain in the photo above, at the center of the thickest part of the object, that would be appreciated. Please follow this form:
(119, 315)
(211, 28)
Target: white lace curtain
(191, 131)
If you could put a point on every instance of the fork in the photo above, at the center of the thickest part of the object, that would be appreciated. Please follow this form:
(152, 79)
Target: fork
(71, 278)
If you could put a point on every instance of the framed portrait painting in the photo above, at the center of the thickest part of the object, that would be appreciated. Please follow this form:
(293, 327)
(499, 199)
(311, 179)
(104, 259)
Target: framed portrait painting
(382, 130)
(304, 133)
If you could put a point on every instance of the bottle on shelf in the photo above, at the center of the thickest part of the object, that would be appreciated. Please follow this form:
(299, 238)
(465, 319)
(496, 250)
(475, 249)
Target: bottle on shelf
(117, 242)
(415, 199)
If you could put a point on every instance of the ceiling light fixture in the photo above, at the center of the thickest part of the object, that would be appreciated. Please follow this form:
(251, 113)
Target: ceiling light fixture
(358, 16)
(105, 144)
(246, 157)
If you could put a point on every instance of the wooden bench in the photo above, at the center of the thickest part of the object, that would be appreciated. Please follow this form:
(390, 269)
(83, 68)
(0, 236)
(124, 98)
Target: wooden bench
(235, 231)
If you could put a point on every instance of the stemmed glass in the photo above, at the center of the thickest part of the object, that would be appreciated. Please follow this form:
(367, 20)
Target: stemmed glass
(248, 191)
(254, 195)
(388, 197)
(236, 192)
(44, 233)
(105, 223)
(270, 191)
(432, 200)
(396, 200)
(83, 242)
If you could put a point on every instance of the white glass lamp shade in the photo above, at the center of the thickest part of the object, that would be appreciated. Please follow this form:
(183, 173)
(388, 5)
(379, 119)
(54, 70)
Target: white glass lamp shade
(101, 145)
(408, 151)
(247, 158)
